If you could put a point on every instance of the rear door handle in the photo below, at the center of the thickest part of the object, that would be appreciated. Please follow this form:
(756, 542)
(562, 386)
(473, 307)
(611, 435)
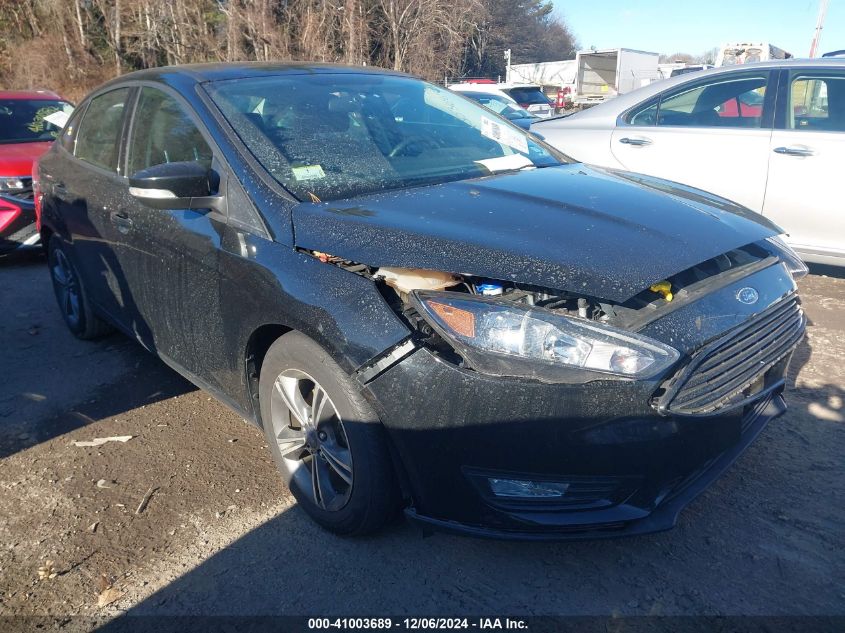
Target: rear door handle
(794, 150)
(122, 221)
(59, 189)
(635, 140)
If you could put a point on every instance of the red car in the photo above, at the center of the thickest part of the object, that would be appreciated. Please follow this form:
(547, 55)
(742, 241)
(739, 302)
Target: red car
(25, 134)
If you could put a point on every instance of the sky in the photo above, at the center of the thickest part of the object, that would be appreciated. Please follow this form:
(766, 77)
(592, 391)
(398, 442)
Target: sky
(673, 26)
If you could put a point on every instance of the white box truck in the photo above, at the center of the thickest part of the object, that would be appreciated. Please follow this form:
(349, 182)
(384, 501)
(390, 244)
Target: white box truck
(603, 74)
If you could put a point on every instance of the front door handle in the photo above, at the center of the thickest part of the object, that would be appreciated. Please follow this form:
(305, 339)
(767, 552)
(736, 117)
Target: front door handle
(122, 221)
(794, 150)
(637, 141)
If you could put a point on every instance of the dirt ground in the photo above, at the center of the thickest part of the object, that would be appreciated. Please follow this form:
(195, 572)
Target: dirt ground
(221, 535)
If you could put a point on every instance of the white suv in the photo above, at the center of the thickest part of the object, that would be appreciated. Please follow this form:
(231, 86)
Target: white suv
(529, 97)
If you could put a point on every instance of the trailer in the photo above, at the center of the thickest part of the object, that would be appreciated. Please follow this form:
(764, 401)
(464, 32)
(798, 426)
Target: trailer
(550, 76)
(555, 79)
(603, 74)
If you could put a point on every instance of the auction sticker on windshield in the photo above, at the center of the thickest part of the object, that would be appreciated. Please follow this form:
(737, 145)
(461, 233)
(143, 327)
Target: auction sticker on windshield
(503, 134)
(308, 172)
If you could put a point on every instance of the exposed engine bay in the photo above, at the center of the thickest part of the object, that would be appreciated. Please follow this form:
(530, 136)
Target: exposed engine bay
(396, 284)
(541, 324)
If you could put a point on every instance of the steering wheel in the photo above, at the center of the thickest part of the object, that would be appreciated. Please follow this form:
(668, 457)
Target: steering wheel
(411, 140)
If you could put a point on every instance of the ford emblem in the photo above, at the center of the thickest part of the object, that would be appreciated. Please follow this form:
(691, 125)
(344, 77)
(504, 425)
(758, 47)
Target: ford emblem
(747, 295)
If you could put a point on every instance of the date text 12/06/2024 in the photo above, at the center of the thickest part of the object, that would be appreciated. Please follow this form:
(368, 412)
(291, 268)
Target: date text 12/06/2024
(417, 623)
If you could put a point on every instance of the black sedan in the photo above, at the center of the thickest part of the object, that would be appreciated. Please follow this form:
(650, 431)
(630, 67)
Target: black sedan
(423, 307)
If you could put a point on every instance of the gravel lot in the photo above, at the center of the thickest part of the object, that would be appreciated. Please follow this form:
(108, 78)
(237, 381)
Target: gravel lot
(221, 535)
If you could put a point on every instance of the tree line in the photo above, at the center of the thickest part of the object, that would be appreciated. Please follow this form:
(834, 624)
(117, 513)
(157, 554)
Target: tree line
(73, 45)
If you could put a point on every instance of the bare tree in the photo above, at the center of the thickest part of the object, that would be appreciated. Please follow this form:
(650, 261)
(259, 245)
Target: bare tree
(96, 39)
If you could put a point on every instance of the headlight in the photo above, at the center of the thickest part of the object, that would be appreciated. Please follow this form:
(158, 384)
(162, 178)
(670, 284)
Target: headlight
(506, 339)
(790, 258)
(13, 184)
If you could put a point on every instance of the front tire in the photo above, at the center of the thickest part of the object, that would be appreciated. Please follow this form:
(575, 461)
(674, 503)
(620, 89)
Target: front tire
(74, 304)
(325, 438)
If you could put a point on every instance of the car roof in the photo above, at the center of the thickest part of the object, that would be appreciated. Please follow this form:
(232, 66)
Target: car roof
(488, 89)
(481, 87)
(200, 73)
(611, 109)
(34, 95)
(511, 86)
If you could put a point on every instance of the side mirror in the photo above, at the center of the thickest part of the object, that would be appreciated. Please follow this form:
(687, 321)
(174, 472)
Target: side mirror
(182, 185)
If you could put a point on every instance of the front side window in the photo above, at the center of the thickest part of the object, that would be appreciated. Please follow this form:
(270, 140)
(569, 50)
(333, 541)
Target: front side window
(163, 132)
(28, 120)
(817, 103)
(331, 136)
(734, 102)
(97, 141)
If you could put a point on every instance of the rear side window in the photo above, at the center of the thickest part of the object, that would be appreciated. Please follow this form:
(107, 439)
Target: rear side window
(817, 103)
(98, 137)
(164, 133)
(531, 96)
(736, 102)
(68, 138)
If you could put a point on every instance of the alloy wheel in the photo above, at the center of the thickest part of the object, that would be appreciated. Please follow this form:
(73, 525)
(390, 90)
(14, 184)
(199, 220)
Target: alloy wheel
(311, 439)
(67, 287)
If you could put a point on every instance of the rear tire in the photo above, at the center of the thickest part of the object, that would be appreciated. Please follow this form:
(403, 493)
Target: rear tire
(333, 451)
(74, 304)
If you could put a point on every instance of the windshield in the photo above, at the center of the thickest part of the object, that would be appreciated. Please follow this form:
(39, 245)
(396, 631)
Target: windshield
(24, 120)
(332, 136)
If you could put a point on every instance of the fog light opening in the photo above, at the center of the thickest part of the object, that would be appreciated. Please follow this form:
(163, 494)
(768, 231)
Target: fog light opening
(525, 489)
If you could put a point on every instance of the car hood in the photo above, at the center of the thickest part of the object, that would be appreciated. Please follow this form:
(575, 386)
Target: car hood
(16, 158)
(576, 228)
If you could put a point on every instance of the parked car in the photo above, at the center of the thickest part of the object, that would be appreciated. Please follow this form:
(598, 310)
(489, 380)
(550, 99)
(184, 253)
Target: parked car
(503, 106)
(530, 98)
(25, 134)
(431, 311)
(769, 136)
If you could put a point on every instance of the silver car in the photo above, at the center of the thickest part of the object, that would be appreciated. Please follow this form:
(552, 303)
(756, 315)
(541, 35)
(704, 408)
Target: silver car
(770, 136)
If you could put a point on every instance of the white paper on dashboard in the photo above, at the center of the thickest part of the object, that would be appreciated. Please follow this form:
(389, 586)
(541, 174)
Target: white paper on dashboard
(57, 118)
(505, 163)
(503, 134)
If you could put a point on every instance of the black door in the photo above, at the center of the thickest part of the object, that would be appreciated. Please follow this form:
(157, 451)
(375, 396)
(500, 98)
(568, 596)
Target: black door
(175, 253)
(88, 187)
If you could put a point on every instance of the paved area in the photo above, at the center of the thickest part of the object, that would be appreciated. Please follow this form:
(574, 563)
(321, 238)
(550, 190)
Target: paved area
(220, 534)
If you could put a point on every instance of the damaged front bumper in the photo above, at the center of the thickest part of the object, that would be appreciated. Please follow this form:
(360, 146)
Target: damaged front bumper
(625, 468)
(491, 455)
(663, 516)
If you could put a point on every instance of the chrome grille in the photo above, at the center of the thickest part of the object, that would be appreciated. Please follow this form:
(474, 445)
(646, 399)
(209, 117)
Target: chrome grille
(719, 374)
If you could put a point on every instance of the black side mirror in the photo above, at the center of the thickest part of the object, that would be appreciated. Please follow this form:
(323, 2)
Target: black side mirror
(182, 185)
